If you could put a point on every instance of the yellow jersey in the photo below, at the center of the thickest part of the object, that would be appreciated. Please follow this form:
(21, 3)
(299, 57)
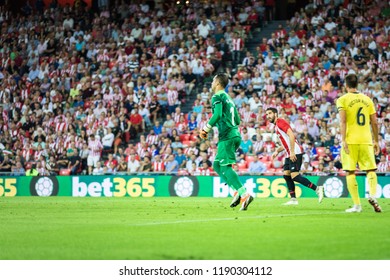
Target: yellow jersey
(358, 109)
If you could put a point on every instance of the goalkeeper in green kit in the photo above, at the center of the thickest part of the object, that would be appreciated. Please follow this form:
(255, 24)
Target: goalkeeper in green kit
(226, 118)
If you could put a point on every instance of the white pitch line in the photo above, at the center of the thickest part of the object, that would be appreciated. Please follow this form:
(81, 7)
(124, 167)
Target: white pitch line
(234, 218)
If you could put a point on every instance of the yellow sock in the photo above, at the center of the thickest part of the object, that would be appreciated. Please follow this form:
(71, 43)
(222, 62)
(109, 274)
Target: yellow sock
(353, 189)
(372, 183)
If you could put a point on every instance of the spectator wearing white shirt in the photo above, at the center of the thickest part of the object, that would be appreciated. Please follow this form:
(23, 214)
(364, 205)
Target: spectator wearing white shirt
(203, 28)
(330, 25)
(99, 110)
(98, 170)
(257, 82)
(68, 23)
(108, 139)
(133, 165)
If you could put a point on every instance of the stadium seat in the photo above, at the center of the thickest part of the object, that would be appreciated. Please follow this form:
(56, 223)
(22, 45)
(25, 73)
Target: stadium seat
(268, 164)
(193, 137)
(242, 165)
(187, 143)
(265, 158)
(182, 172)
(184, 137)
(65, 172)
(87, 104)
(270, 172)
(320, 151)
(243, 170)
(249, 159)
(279, 172)
(315, 163)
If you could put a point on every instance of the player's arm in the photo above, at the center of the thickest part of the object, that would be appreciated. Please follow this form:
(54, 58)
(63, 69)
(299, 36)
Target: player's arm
(343, 124)
(277, 151)
(375, 132)
(214, 119)
(343, 130)
(291, 137)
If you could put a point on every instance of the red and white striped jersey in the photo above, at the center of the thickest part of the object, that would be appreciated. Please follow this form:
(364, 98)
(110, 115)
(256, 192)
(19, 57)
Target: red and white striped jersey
(176, 117)
(270, 89)
(202, 123)
(172, 97)
(152, 139)
(14, 133)
(257, 146)
(4, 127)
(27, 153)
(281, 128)
(189, 149)
(247, 116)
(95, 147)
(102, 57)
(160, 51)
(342, 74)
(310, 82)
(62, 126)
(238, 44)
(5, 116)
(317, 94)
(37, 155)
(158, 166)
(357, 39)
(24, 93)
(383, 166)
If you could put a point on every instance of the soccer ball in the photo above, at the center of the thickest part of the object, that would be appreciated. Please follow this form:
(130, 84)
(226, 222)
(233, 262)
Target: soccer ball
(184, 187)
(333, 187)
(44, 186)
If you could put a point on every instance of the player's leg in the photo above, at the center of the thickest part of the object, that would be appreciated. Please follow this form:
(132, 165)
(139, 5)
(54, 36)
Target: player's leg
(352, 186)
(223, 159)
(217, 168)
(367, 163)
(227, 157)
(216, 164)
(295, 167)
(373, 182)
(290, 183)
(349, 162)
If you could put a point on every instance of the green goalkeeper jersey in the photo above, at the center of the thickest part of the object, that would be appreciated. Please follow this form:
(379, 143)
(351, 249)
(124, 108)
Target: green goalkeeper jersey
(228, 123)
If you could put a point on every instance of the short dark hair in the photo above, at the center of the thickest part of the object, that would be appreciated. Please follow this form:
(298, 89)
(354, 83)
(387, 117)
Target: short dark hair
(272, 109)
(223, 79)
(351, 80)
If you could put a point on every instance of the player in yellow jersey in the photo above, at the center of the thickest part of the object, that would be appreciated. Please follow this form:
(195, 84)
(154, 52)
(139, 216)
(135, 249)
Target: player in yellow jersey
(357, 119)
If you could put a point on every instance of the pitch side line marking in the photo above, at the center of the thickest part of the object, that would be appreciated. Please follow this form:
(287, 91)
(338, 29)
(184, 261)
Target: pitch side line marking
(235, 218)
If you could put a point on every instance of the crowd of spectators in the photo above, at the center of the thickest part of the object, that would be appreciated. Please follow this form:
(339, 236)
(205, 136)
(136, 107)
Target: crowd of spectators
(99, 91)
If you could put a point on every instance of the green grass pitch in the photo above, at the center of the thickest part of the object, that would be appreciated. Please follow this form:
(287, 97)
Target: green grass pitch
(190, 228)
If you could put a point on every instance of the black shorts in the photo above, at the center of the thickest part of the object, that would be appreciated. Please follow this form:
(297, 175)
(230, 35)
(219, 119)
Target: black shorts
(293, 166)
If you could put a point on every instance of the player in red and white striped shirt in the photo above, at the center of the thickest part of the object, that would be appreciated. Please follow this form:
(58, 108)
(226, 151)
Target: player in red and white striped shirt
(292, 163)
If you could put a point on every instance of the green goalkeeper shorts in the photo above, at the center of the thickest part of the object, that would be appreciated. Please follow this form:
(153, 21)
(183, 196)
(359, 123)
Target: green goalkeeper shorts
(226, 152)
